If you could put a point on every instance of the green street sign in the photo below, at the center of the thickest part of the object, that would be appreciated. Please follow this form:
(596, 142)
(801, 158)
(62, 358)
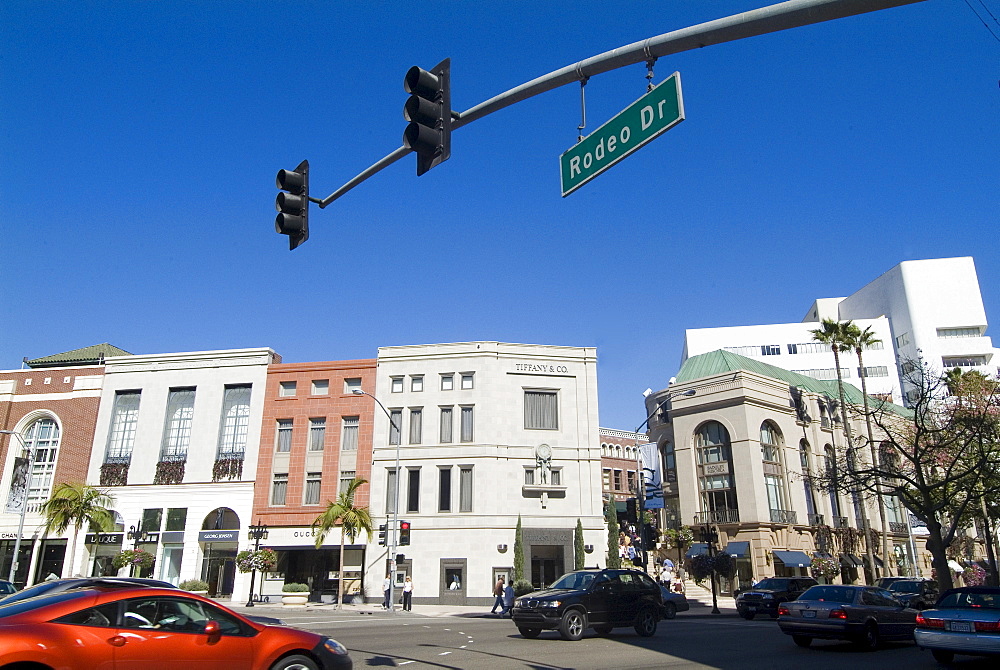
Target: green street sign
(644, 120)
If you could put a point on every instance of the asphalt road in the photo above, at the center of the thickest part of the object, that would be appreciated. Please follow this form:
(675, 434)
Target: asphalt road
(689, 641)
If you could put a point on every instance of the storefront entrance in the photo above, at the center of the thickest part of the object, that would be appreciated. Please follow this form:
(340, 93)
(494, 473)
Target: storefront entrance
(547, 564)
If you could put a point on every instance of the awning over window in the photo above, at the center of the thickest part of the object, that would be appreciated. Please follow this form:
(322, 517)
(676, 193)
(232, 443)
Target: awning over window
(696, 549)
(850, 561)
(738, 549)
(793, 559)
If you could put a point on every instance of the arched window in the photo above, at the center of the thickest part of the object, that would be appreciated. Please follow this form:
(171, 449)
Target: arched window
(830, 464)
(774, 474)
(42, 438)
(718, 490)
(804, 462)
(770, 442)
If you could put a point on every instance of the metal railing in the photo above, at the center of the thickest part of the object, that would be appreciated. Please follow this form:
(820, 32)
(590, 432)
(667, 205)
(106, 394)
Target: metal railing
(783, 516)
(898, 527)
(717, 516)
(840, 522)
(817, 520)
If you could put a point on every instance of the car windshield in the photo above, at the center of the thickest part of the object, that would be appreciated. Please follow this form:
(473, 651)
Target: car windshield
(833, 594)
(905, 587)
(970, 600)
(772, 584)
(576, 581)
(17, 606)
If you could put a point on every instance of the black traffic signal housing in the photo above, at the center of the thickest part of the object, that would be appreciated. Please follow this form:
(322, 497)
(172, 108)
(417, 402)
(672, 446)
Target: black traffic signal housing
(404, 533)
(381, 534)
(428, 109)
(293, 204)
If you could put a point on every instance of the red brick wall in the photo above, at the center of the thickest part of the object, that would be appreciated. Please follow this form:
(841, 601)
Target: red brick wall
(300, 409)
(77, 416)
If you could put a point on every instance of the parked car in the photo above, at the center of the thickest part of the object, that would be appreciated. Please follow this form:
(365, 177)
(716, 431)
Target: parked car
(864, 615)
(6, 588)
(102, 624)
(964, 621)
(601, 599)
(765, 596)
(673, 602)
(916, 593)
(886, 582)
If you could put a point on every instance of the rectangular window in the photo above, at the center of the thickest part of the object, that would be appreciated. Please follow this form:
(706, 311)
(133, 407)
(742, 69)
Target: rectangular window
(417, 383)
(447, 382)
(444, 489)
(321, 387)
(395, 425)
(529, 476)
(152, 519)
(284, 437)
(770, 350)
(416, 425)
(346, 477)
(352, 384)
(873, 371)
(630, 480)
(555, 476)
(390, 490)
(618, 480)
(958, 332)
(235, 420)
(287, 390)
(468, 380)
(177, 425)
(446, 417)
(317, 434)
(541, 410)
(775, 492)
(413, 490)
(793, 348)
(467, 424)
(397, 384)
(902, 340)
(279, 487)
(125, 417)
(465, 489)
(963, 362)
(313, 482)
(176, 518)
(349, 434)
(607, 479)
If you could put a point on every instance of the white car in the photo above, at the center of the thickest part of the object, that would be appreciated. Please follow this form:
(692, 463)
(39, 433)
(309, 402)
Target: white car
(964, 621)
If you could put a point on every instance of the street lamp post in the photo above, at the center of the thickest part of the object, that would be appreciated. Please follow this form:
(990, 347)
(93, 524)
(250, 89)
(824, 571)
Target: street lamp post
(24, 503)
(640, 498)
(137, 534)
(257, 533)
(395, 499)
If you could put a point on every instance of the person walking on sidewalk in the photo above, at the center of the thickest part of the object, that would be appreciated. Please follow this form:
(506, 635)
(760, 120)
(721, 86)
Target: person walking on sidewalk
(497, 595)
(408, 594)
(508, 601)
(385, 592)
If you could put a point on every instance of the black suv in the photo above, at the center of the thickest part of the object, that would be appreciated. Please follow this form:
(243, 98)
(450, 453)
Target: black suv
(916, 593)
(766, 594)
(598, 599)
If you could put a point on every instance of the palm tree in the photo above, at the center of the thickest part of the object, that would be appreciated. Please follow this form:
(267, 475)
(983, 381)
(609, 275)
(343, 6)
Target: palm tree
(837, 335)
(73, 504)
(858, 340)
(350, 518)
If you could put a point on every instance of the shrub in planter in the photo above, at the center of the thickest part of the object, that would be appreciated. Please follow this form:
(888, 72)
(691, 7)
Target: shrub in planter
(142, 559)
(193, 585)
(295, 587)
(521, 587)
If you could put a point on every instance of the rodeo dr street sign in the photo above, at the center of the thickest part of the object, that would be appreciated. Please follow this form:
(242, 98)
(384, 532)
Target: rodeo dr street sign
(641, 122)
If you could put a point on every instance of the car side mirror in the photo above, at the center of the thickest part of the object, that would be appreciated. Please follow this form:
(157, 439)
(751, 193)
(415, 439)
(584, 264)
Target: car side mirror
(212, 628)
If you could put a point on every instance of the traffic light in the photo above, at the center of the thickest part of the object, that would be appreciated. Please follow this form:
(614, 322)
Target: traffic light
(404, 533)
(293, 205)
(428, 109)
(381, 534)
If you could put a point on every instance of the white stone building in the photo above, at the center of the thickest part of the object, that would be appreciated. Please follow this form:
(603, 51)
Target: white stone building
(176, 443)
(927, 309)
(488, 431)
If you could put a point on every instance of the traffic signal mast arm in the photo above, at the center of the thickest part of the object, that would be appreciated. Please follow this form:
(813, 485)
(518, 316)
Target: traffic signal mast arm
(782, 16)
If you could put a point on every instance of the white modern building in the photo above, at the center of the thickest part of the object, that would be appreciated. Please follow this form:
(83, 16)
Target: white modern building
(929, 310)
(486, 432)
(176, 444)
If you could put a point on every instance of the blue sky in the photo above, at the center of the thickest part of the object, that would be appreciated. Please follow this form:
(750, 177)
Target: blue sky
(140, 141)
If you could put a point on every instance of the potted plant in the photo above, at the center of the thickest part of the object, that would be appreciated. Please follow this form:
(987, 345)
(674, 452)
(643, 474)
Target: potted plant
(261, 560)
(295, 593)
(137, 557)
(194, 586)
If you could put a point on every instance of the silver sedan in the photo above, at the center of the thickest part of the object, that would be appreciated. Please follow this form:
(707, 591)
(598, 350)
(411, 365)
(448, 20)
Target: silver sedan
(863, 614)
(964, 621)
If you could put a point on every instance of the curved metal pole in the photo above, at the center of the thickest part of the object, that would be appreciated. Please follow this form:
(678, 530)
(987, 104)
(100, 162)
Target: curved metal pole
(24, 504)
(782, 16)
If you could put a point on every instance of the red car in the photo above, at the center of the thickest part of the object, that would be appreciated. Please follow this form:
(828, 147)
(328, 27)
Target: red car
(108, 626)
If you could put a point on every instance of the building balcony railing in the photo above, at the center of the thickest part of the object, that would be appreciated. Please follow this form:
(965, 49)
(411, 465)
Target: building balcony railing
(717, 516)
(817, 520)
(898, 528)
(783, 516)
(840, 522)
